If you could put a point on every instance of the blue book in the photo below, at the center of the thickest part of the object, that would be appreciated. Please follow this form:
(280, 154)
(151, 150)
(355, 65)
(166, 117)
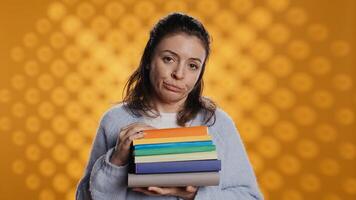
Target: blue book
(178, 166)
(173, 144)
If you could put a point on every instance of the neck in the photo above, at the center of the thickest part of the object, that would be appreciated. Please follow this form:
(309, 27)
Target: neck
(168, 107)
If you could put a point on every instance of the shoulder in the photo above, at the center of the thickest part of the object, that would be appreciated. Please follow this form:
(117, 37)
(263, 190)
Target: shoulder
(117, 113)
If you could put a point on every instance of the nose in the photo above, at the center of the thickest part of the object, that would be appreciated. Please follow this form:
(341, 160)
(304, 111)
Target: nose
(178, 72)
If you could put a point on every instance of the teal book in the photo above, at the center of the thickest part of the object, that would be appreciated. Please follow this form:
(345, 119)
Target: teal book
(173, 150)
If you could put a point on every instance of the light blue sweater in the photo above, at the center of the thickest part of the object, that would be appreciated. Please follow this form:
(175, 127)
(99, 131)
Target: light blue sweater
(105, 181)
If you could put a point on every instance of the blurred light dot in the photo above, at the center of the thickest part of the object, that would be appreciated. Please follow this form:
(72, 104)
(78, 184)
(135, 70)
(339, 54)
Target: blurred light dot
(74, 111)
(331, 197)
(329, 167)
(299, 49)
(58, 40)
(307, 149)
(43, 26)
(325, 132)
(261, 50)
(85, 10)
(74, 169)
(129, 21)
(342, 82)
(47, 194)
(323, 99)
(73, 82)
(292, 194)
(71, 25)
(46, 110)
(241, 6)
(18, 109)
(45, 82)
(340, 48)
(280, 66)
(17, 54)
(30, 40)
(33, 124)
(301, 82)
(72, 54)
(320, 65)
(5, 95)
(5, 124)
(59, 96)
(296, 16)
(310, 182)
(260, 18)
(317, 32)
(87, 97)
(87, 68)
(56, 11)
(264, 82)
(278, 33)
(33, 181)
(250, 130)
(283, 98)
(114, 10)
(44, 54)
(247, 98)
(266, 114)
(304, 115)
(243, 34)
(268, 147)
(84, 152)
(19, 138)
(345, 116)
(289, 164)
(32, 96)
(18, 166)
(349, 185)
(61, 183)
(74, 140)
(87, 126)
(347, 150)
(47, 167)
(60, 153)
(59, 68)
(60, 124)
(46, 138)
(278, 5)
(32, 68)
(18, 81)
(271, 180)
(245, 67)
(171, 6)
(33, 152)
(145, 9)
(100, 25)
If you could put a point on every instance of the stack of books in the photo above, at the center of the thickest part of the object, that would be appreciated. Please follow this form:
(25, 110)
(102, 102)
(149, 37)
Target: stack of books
(174, 157)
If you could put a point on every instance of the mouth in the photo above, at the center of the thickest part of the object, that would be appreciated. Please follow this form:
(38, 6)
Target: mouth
(172, 88)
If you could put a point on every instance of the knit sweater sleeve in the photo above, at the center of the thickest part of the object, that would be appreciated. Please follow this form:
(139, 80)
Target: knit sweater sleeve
(102, 179)
(237, 179)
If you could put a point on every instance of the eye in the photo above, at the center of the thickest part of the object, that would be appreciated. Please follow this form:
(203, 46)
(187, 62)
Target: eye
(167, 59)
(193, 66)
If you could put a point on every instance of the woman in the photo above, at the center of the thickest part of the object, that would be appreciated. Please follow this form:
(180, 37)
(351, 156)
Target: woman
(165, 91)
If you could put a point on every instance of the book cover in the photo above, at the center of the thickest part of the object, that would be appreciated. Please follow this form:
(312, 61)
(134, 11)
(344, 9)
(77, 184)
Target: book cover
(176, 132)
(179, 166)
(207, 155)
(171, 139)
(173, 144)
(174, 179)
(173, 150)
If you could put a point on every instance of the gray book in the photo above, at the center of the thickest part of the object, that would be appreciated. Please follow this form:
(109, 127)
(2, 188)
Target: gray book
(174, 179)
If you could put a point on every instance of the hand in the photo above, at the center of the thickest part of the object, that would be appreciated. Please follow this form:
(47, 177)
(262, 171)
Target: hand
(124, 140)
(187, 193)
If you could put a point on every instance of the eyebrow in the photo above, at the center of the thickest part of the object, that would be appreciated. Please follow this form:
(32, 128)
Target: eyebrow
(174, 53)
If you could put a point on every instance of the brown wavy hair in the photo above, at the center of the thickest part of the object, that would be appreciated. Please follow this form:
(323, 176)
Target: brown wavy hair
(138, 87)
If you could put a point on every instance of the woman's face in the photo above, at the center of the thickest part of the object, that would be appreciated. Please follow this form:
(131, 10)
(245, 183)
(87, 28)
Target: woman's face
(176, 66)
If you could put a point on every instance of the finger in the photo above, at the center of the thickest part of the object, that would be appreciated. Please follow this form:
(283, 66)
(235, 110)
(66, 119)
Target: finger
(132, 137)
(162, 191)
(145, 191)
(191, 189)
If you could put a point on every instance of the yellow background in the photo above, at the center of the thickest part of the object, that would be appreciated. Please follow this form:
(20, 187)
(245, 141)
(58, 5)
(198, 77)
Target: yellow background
(284, 70)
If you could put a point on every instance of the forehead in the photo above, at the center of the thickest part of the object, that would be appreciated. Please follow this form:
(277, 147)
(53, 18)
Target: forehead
(183, 44)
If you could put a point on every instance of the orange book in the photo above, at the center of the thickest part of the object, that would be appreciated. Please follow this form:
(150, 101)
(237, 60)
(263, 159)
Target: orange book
(176, 132)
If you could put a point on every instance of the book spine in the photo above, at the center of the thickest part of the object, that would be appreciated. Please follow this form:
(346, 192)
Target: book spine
(173, 144)
(173, 150)
(176, 132)
(209, 155)
(174, 179)
(180, 166)
(168, 140)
